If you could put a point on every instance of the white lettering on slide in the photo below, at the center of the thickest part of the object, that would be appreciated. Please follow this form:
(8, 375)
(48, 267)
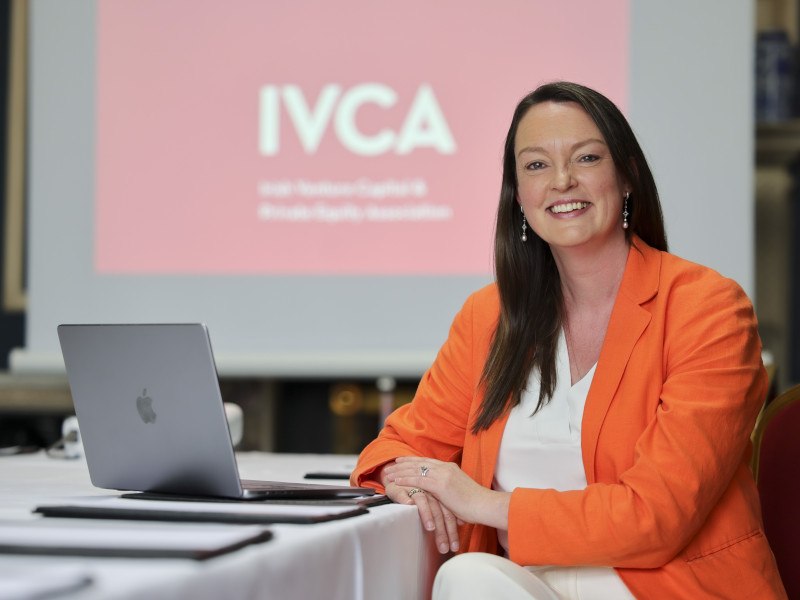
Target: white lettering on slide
(357, 188)
(345, 123)
(310, 125)
(424, 126)
(323, 212)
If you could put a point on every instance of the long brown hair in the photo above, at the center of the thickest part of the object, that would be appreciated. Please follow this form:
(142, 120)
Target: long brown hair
(531, 302)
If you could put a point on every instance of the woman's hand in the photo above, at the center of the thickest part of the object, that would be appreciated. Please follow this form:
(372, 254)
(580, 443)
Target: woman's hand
(435, 517)
(455, 491)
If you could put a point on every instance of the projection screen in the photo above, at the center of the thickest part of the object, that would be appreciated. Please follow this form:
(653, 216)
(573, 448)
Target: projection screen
(317, 181)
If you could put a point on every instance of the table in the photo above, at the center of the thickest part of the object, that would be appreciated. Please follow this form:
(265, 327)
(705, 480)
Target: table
(385, 554)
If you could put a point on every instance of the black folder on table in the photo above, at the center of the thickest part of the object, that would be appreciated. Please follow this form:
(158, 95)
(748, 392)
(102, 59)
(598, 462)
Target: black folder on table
(194, 511)
(45, 537)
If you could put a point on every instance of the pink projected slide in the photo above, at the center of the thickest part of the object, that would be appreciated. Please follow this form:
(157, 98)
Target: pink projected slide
(322, 138)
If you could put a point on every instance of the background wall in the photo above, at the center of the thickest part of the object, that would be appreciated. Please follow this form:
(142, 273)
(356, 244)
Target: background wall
(692, 106)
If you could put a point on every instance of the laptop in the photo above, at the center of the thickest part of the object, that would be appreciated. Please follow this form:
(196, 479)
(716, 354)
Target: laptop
(151, 415)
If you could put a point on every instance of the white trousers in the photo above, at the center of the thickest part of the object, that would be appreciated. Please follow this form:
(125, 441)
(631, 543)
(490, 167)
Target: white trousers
(481, 575)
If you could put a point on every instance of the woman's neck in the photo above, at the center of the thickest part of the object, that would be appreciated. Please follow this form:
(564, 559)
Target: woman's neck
(590, 277)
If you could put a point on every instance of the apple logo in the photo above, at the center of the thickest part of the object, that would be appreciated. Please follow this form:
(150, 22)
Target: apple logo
(144, 404)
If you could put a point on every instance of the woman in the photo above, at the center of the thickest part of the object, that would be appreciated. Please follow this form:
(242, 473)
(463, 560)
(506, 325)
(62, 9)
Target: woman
(584, 431)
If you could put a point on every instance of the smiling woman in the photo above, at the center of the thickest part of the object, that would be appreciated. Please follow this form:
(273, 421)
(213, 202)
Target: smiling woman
(527, 276)
(559, 426)
(569, 188)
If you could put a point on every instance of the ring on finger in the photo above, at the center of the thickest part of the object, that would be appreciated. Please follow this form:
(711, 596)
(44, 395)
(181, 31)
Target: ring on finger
(424, 470)
(413, 491)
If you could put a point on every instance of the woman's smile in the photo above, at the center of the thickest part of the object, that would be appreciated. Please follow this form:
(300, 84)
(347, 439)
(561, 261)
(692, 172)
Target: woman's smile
(567, 208)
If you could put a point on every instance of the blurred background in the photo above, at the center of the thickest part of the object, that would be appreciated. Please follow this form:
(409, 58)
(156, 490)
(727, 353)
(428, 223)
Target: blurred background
(317, 182)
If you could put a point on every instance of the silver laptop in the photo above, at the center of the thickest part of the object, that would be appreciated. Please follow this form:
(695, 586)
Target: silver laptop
(151, 416)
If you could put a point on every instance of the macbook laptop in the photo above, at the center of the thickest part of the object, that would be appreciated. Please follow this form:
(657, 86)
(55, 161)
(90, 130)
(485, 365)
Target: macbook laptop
(151, 416)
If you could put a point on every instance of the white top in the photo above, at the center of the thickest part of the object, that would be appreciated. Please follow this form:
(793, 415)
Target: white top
(544, 450)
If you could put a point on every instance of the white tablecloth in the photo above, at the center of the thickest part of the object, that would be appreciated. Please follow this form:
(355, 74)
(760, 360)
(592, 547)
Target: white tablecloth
(383, 555)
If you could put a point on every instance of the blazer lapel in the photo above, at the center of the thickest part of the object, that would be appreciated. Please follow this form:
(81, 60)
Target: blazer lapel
(626, 325)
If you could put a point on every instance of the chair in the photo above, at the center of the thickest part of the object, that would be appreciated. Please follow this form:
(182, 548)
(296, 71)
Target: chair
(776, 468)
(772, 379)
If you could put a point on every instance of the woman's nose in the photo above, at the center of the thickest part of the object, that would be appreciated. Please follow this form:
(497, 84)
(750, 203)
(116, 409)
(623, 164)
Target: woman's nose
(562, 178)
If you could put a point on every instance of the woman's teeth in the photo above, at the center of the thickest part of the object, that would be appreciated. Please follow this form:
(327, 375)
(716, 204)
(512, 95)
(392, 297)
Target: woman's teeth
(568, 207)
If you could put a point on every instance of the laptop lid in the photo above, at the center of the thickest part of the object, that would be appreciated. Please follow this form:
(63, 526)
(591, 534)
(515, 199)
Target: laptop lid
(150, 410)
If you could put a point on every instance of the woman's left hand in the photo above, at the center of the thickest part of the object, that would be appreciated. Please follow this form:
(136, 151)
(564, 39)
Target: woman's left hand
(468, 500)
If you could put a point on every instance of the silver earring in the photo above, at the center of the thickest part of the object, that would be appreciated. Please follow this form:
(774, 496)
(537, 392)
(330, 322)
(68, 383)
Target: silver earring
(524, 236)
(625, 212)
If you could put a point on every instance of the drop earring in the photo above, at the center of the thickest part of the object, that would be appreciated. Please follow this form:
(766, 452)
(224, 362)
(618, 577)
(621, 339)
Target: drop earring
(524, 236)
(625, 212)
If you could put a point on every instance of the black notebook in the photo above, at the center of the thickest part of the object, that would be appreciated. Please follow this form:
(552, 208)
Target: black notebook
(194, 511)
(130, 540)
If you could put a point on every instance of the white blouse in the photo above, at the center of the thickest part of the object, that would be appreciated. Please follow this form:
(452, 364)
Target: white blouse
(543, 450)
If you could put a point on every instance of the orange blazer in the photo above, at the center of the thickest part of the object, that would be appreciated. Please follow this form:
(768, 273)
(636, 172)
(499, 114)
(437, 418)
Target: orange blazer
(670, 501)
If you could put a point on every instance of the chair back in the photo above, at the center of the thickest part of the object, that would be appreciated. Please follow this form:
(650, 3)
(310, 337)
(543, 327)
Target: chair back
(776, 468)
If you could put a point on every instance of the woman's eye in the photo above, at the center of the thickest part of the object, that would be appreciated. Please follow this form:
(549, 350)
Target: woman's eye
(589, 158)
(535, 165)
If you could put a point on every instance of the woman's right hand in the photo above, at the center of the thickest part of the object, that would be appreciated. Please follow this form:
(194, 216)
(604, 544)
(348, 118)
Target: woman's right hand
(436, 517)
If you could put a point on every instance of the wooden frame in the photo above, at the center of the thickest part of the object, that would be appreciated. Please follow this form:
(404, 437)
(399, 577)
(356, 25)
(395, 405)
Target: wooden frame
(769, 411)
(14, 296)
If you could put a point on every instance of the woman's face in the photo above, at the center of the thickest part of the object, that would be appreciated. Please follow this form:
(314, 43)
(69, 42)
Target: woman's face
(568, 184)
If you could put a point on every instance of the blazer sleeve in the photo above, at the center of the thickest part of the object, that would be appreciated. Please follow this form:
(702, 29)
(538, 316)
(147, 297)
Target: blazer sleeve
(686, 456)
(434, 424)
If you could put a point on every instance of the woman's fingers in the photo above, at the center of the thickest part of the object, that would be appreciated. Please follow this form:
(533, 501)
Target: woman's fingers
(434, 480)
(445, 534)
(451, 524)
(423, 503)
(415, 465)
(435, 517)
(406, 495)
(398, 494)
(419, 478)
(417, 472)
